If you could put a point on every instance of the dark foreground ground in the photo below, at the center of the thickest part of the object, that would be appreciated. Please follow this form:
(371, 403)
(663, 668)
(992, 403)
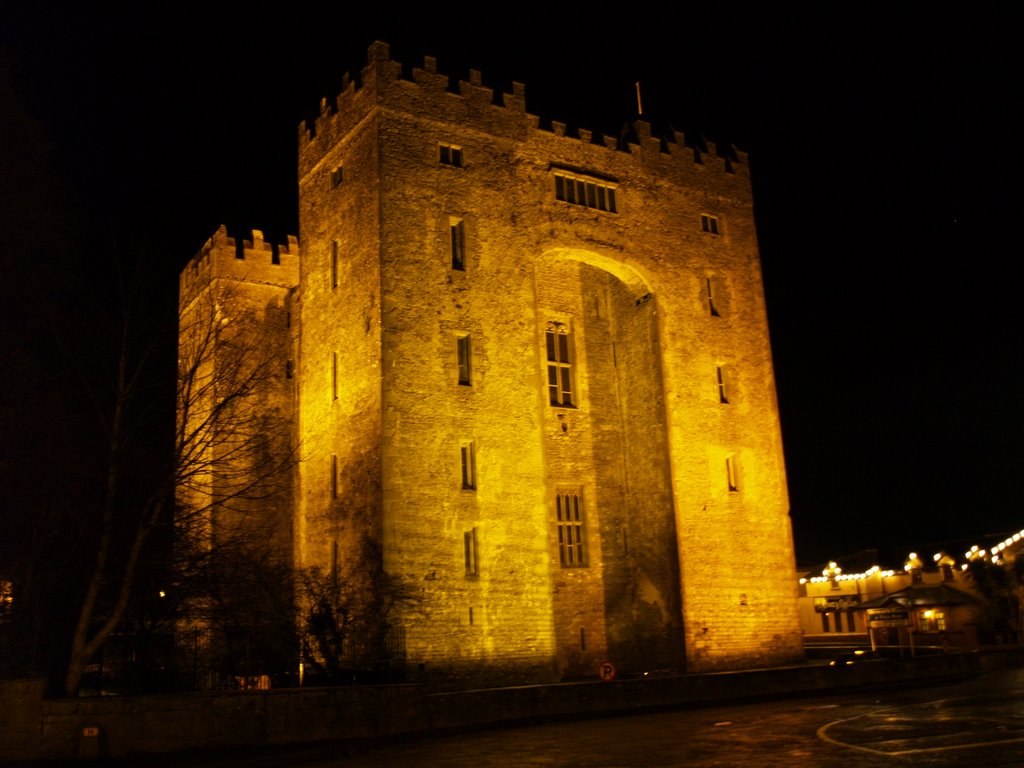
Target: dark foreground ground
(977, 722)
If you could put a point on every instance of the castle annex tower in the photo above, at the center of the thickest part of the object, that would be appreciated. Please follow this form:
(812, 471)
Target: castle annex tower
(534, 377)
(236, 405)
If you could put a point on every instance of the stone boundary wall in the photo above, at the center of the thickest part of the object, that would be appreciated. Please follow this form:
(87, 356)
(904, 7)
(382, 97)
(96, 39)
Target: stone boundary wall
(34, 728)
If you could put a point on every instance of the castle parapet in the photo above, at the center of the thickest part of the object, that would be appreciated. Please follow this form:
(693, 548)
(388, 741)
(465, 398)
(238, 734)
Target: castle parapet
(254, 260)
(430, 92)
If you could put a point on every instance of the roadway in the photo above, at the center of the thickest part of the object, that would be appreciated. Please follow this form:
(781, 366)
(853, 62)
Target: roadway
(977, 722)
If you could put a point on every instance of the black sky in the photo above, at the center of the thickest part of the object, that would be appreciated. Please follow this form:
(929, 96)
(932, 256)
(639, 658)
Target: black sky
(885, 165)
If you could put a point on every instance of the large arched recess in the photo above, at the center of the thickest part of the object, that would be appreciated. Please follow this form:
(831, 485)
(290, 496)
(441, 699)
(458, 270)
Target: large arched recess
(610, 445)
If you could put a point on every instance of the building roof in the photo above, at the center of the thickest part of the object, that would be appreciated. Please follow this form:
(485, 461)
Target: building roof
(922, 595)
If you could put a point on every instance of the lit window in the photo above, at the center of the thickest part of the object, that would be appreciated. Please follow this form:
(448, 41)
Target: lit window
(932, 620)
(723, 395)
(572, 551)
(7, 597)
(337, 176)
(457, 237)
(463, 352)
(472, 559)
(468, 466)
(709, 224)
(559, 366)
(586, 192)
(712, 296)
(451, 155)
(731, 474)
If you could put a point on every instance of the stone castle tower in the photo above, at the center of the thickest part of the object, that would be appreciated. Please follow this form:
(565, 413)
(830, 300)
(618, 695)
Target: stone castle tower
(533, 369)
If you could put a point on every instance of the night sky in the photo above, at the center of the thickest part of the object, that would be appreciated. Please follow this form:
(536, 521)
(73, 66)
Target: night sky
(884, 156)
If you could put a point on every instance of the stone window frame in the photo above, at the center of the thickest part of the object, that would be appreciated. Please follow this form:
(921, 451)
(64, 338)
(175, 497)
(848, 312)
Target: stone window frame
(732, 473)
(334, 375)
(471, 552)
(571, 528)
(710, 224)
(467, 462)
(713, 294)
(722, 379)
(561, 365)
(586, 191)
(334, 264)
(457, 242)
(464, 359)
(450, 155)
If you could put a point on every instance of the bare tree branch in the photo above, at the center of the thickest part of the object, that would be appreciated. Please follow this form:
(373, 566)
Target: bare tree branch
(231, 458)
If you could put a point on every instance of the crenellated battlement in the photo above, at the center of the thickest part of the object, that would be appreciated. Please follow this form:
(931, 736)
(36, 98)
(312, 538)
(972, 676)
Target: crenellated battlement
(254, 260)
(426, 92)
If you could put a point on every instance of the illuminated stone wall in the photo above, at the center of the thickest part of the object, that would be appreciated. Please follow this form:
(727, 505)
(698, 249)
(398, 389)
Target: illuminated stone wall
(448, 455)
(235, 335)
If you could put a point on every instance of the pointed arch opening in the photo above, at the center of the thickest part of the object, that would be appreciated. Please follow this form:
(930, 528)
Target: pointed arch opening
(606, 439)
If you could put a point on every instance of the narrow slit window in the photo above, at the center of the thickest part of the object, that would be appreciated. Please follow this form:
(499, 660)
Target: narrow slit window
(469, 539)
(334, 477)
(572, 551)
(464, 352)
(468, 460)
(457, 237)
(334, 375)
(723, 394)
(712, 297)
(337, 176)
(731, 474)
(334, 264)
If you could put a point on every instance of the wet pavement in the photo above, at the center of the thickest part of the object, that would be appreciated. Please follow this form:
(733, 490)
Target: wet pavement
(978, 722)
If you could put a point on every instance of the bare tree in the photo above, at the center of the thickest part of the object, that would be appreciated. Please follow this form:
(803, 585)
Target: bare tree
(227, 478)
(343, 625)
(999, 586)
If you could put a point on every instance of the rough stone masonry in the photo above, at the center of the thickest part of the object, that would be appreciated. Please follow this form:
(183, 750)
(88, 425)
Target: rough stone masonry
(533, 369)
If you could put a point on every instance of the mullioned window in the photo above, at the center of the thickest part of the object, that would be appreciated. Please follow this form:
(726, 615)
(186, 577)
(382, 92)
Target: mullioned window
(589, 193)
